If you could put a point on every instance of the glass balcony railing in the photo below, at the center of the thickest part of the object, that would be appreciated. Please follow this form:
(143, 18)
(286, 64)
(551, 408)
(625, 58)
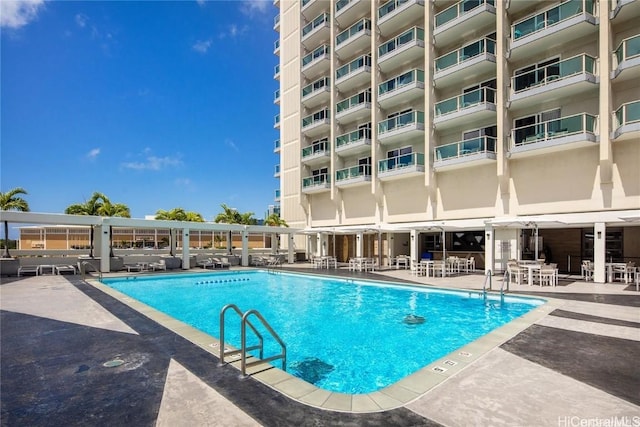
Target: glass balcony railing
(317, 53)
(276, 20)
(276, 144)
(318, 147)
(276, 45)
(398, 122)
(316, 180)
(276, 95)
(358, 63)
(340, 4)
(459, 9)
(552, 16)
(320, 21)
(466, 100)
(401, 81)
(276, 195)
(276, 170)
(628, 113)
(398, 162)
(557, 71)
(404, 38)
(276, 70)
(564, 126)
(354, 101)
(318, 116)
(389, 7)
(353, 172)
(315, 86)
(628, 49)
(464, 53)
(304, 3)
(483, 144)
(276, 119)
(357, 28)
(354, 137)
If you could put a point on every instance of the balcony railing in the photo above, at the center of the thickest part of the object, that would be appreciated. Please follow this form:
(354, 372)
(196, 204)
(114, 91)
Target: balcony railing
(318, 116)
(316, 180)
(556, 128)
(483, 144)
(276, 45)
(276, 145)
(276, 170)
(353, 172)
(317, 53)
(277, 194)
(353, 137)
(315, 86)
(361, 62)
(354, 101)
(276, 70)
(355, 29)
(319, 147)
(628, 49)
(466, 100)
(464, 53)
(403, 80)
(628, 113)
(398, 122)
(276, 95)
(341, 4)
(551, 16)
(389, 7)
(276, 120)
(569, 67)
(319, 21)
(398, 162)
(404, 38)
(458, 10)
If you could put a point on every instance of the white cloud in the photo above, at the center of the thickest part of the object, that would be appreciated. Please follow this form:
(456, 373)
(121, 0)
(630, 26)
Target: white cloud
(252, 8)
(201, 46)
(81, 20)
(201, 2)
(93, 154)
(229, 143)
(153, 163)
(18, 13)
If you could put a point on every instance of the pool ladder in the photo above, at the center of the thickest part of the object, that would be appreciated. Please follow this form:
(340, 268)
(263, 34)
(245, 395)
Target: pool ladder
(243, 342)
(488, 280)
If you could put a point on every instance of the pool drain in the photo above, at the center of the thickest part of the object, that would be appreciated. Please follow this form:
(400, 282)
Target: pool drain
(113, 363)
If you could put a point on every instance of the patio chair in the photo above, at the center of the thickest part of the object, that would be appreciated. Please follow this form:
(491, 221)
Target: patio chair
(65, 268)
(159, 265)
(549, 275)
(206, 263)
(218, 263)
(28, 269)
(586, 270)
(515, 272)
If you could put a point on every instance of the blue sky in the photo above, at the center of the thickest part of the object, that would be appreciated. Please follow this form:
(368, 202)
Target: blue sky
(156, 104)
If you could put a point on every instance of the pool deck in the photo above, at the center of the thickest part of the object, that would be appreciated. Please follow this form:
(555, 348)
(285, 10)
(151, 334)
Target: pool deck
(575, 359)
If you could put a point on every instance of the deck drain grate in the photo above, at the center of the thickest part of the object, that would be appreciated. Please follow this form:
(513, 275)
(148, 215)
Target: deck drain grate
(113, 363)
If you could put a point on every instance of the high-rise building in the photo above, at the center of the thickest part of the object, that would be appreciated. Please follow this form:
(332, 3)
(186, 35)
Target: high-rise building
(495, 125)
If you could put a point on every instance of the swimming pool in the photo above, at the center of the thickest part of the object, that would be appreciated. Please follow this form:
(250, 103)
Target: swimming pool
(344, 335)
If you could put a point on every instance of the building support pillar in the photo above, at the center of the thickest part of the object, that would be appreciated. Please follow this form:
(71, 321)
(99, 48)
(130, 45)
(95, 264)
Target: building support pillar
(185, 249)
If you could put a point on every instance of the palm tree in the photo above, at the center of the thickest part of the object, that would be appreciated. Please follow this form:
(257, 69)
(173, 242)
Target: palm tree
(93, 206)
(274, 220)
(114, 209)
(177, 214)
(10, 201)
(232, 216)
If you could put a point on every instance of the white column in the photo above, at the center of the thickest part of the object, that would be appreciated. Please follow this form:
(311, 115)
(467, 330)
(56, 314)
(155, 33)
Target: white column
(245, 248)
(489, 249)
(413, 246)
(101, 238)
(359, 239)
(275, 243)
(599, 252)
(323, 243)
(391, 248)
(185, 249)
(291, 252)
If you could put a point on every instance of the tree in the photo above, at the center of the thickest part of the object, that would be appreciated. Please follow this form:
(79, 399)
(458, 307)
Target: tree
(232, 216)
(114, 209)
(274, 220)
(93, 207)
(177, 214)
(10, 201)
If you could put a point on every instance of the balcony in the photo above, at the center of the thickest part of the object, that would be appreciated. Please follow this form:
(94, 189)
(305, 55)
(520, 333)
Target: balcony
(565, 133)
(624, 10)
(316, 123)
(348, 11)
(276, 196)
(627, 121)
(276, 172)
(316, 184)
(317, 93)
(470, 61)
(355, 39)
(276, 121)
(317, 62)
(462, 18)
(276, 23)
(562, 79)
(276, 146)
(401, 89)
(276, 97)
(403, 127)
(402, 49)
(394, 14)
(316, 31)
(627, 60)
(354, 108)
(355, 74)
(353, 143)
(404, 166)
(276, 72)
(468, 108)
(470, 152)
(353, 176)
(276, 47)
(317, 153)
(312, 8)
(569, 21)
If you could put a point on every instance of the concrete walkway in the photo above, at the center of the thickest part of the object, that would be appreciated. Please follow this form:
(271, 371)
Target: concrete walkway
(72, 355)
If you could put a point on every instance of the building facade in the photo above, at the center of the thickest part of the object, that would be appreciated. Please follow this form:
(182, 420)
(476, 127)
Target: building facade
(413, 116)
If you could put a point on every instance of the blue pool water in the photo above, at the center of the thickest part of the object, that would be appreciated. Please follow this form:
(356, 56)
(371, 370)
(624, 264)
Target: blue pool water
(341, 334)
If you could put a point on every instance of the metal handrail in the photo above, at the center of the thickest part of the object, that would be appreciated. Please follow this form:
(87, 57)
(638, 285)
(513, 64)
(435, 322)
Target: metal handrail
(243, 361)
(255, 331)
(487, 279)
(505, 279)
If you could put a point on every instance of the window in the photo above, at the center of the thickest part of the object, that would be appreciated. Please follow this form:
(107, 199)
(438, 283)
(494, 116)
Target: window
(532, 127)
(536, 73)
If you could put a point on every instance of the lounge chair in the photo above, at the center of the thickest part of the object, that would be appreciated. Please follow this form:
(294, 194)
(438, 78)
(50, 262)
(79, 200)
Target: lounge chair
(159, 265)
(218, 263)
(65, 268)
(206, 263)
(28, 269)
(133, 267)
